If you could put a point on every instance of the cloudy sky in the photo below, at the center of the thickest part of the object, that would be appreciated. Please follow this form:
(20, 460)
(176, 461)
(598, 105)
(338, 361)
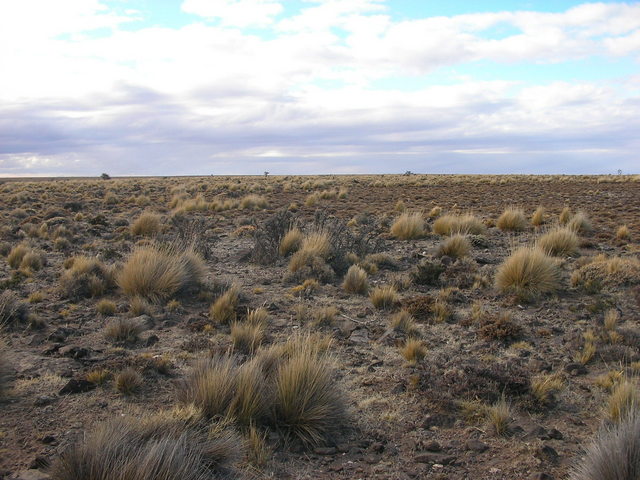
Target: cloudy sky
(168, 87)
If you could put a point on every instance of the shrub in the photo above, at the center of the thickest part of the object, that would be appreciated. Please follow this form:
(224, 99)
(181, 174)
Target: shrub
(610, 272)
(12, 310)
(428, 272)
(152, 448)
(123, 330)
(290, 242)
(537, 218)
(85, 277)
(408, 226)
(147, 224)
(512, 220)
(560, 241)
(384, 297)
(614, 454)
(456, 246)
(157, 273)
(464, 224)
(355, 281)
(269, 236)
(128, 381)
(501, 328)
(528, 273)
(223, 309)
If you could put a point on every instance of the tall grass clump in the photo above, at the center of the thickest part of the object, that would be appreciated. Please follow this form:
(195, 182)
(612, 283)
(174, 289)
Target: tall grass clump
(528, 273)
(290, 242)
(223, 309)
(157, 273)
(559, 242)
(456, 246)
(537, 218)
(512, 220)
(464, 224)
(355, 281)
(147, 224)
(408, 226)
(580, 223)
(85, 277)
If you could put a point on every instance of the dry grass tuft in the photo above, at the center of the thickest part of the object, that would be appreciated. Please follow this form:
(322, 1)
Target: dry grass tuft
(623, 233)
(128, 381)
(259, 316)
(499, 416)
(355, 280)
(537, 218)
(456, 246)
(610, 272)
(85, 277)
(463, 224)
(123, 330)
(565, 216)
(580, 223)
(559, 242)
(253, 202)
(512, 220)
(623, 401)
(408, 226)
(404, 322)
(544, 386)
(106, 307)
(12, 310)
(325, 317)
(384, 297)
(413, 351)
(223, 309)
(246, 337)
(528, 273)
(290, 242)
(157, 273)
(147, 224)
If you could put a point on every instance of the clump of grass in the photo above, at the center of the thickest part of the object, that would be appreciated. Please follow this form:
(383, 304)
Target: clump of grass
(223, 309)
(147, 224)
(139, 306)
(611, 318)
(12, 310)
(408, 226)
(85, 277)
(157, 273)
(258, 450)
(290, 242)
(404, 322)
(623, 401)
(559, 242)
(246, 337)
(435, 212)
(384, 297)
(355, 280)
(36, 297)
(499, 416)
(588, 351)
(441, 311)
(399, 207)
(610, 272)
(106, 307)
(544, 386)
(325, 317)
(456, 246)
(98, 376)
(565, 216)
(502, 327)
(253, 202)
(463, 224)
(259, 316)
(610, 379)
(528, 273)
(123, 330)
(537, 218)
(512, 220)
(614, 454)
(413, 351)
(623, 233)
(580, 223)
(17, 253)
(164, 446)
(316, 243)
(128, 381)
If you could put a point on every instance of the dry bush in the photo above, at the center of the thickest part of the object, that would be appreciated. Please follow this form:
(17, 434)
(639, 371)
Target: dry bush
(580, 223)
(123, 330)
(384, 297)
(512, 220)
(151, 448)
(290, 242)
(413, 351)
(157, 273)
(128, 381)
(559, 242)
(223, 309)
(147, 224)
(12, 310)
(501, 328)
(610, 272)
(622, 233)
(246, 337)
(106, 307)
(268, 237)
(316, 243)
(623, 401)
(85, 277)
(355, 281)
(614, 454)
(528, 273)
(456, 246)
(537, 218)
(325, 317)
(464, 224)
(428, 272)
(253, 202)
(408, 226)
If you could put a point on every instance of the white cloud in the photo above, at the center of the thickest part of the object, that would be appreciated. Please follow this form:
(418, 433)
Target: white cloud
(239, 13)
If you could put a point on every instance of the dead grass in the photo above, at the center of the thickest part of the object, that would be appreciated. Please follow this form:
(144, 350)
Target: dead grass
(622, 233)
(355, 281)
(456, 246)
(498, 417)
(537, 218)
(408, 226)
(106, 307)
(223, 309)
(85, 277)
(528, 273)
(413, 351)
(404, 322)
(580, 223)
(290, 242)
(559, 242)
(623, 401)
(253, 202)
(156, 273)
(543, 386)
(147, 224)
(462, 224)
(512, 220)
(384, 297)
(128, 381)
(12, 309)
(123, 330)
(610, 272)
(246, 337)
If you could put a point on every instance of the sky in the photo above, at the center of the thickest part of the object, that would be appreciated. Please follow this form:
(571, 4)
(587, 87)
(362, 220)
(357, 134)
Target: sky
(201, 87)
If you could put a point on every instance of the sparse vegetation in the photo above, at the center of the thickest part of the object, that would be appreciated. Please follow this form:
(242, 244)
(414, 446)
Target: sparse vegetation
(147, 224)
(460, 224)
(128, 381)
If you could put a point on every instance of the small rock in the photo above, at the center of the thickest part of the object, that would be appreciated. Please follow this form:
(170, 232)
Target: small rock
(48, 439)
(476, 446)
(32, 475)
(575, 369)
(439, 458)
(145, 322)
(325, 450)
(77, 386)
(39, 462)
(555, 434)
(433, 446)
(359, 335)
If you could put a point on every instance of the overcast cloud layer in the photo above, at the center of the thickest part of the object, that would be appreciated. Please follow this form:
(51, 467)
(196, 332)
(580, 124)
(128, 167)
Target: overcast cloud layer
(330, 86)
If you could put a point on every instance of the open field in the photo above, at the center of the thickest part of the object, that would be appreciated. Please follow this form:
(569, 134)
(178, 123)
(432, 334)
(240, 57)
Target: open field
(390, 327)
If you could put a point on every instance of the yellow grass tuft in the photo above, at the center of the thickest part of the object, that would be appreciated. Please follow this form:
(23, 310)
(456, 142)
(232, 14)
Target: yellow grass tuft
(463, 224)
(512, 220)
(559, 242)
(384, 297)
(456, 246)
(624, 400)
(147, 224)
(290, 242)
(413, 351)
(408, 226)
(355, 280)
(537, 218)
(528, 273)
(223, 309)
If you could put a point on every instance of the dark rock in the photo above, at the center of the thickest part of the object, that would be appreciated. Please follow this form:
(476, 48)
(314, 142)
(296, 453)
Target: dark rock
(476, 446)
(555, 434)
(325, 450)
(538, 432)
(51, 349)
(431, 457)
(575, 369)
(59, 334)
(547, 453)
(359, 336)
(77, 386)
(152, 340)
(433, 446)
(48, 439)
(39, 462)
(73, 351)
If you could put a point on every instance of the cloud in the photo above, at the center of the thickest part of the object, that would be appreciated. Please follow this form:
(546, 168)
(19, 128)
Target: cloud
(238, 13)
